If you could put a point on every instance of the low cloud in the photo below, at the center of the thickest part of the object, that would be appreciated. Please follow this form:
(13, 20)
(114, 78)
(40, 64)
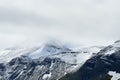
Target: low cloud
(80, 21)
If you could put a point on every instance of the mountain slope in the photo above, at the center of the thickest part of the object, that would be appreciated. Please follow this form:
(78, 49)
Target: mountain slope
(47, 62)
(99, 66)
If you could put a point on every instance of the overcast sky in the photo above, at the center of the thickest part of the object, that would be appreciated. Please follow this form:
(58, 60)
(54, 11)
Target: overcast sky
(86, 22)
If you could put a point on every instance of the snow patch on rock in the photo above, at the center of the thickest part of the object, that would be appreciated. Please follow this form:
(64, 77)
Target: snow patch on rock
(115, 75)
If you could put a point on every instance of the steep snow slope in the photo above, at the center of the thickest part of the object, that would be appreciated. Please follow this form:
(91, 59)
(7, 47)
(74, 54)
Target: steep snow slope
(111, 48)
(34, 52)
(77, 57)
(9, 53)
(49, 48)
(99, 66)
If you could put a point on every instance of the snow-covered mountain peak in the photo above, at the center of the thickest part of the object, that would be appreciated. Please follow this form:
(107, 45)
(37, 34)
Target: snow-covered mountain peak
(111, 48)
(49, 48)
(35, 51)
(53, 46)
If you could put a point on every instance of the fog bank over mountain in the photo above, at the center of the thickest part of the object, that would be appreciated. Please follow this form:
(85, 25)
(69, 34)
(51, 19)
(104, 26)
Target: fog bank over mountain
(88, 22)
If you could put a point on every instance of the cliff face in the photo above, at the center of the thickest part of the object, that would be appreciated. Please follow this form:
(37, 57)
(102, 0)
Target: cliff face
(23, 68)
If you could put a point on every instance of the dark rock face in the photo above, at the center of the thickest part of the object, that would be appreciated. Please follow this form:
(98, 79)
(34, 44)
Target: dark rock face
(97, 68)
(24, 68)
(2, 69)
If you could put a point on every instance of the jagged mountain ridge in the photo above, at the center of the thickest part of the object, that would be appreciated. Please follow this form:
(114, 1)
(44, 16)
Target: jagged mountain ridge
(48, 48)
(57, 61)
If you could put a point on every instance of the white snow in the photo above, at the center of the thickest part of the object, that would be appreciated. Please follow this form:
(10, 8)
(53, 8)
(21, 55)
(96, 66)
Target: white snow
(86, 54)
(46, 76)
(67, 57)
(35, 54)
(82, 57)
(8, 54)
(48, 49)
(77, 58)
(109, 52)
(114, 47)
(115, 75)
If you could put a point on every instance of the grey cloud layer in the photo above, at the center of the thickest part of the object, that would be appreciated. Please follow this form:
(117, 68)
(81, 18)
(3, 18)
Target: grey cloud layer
(80, 21)
(21, 18)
